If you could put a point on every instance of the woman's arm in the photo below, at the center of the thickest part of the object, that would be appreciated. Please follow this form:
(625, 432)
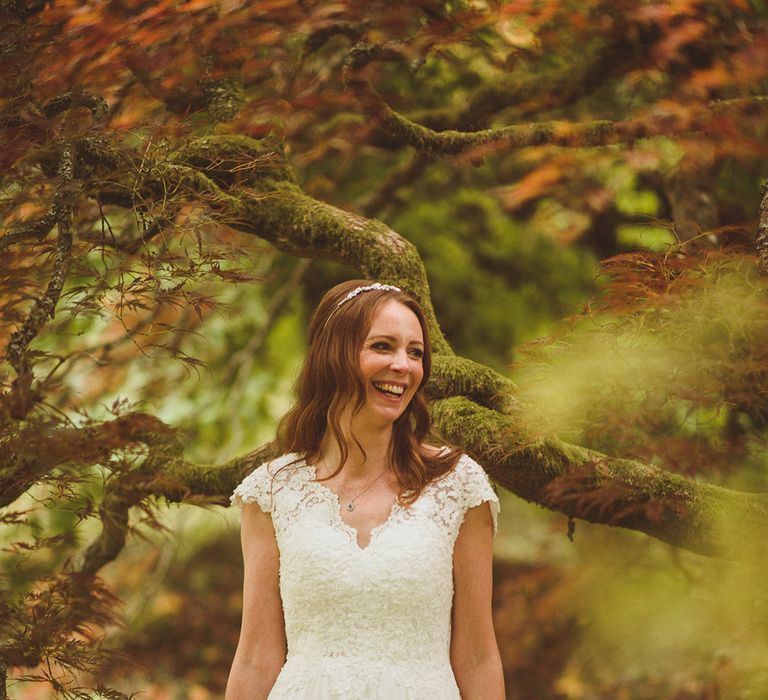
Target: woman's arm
(474, 652)
(261, 648)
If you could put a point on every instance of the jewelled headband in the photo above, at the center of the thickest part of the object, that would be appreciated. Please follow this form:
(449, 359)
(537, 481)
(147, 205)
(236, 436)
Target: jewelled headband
(376, 286)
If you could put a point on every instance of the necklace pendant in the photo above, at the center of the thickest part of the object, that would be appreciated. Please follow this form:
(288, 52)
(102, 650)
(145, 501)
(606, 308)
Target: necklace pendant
(350, 506)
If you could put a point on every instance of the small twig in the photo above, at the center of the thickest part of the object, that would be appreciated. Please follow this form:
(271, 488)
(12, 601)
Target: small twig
(129, 244)
(105, 348)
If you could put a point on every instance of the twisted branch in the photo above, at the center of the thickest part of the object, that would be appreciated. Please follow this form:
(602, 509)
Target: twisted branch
(278, 211)
(43, 310)
(37, 230)
(582, 483)
(399, 130)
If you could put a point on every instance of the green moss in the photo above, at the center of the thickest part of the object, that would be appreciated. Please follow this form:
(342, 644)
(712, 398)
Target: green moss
(458, 376)
(255, 161)
(598, 132)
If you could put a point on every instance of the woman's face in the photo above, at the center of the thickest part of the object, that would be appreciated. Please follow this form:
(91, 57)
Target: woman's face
(391, 362)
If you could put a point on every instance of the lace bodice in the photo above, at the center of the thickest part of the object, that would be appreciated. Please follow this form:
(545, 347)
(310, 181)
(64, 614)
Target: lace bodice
(359, 617)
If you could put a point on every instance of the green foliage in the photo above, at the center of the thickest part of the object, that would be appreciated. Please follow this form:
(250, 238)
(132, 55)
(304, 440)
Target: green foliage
(648, 237)
(667, 619)
(495, 282)
(667, 377)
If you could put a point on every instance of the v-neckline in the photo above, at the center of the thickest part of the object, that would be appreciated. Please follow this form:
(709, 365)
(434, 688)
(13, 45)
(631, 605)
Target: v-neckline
(336, 516)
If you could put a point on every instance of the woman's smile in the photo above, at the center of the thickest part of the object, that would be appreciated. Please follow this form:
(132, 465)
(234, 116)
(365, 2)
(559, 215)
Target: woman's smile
(392, 390)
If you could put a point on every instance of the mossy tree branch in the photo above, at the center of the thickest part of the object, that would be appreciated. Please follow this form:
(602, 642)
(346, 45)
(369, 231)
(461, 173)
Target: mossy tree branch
(73, 99)
(573, 480)
(398, 130)
(37, 229)
(586, 484)
(457, 376)
(401, 131)
(248, 185)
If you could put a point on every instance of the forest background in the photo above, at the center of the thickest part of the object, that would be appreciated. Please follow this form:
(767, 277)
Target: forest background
(572, 190)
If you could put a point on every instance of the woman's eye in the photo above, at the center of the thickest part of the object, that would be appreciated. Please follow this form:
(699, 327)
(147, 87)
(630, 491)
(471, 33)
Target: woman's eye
(416, 352)
(380, 346)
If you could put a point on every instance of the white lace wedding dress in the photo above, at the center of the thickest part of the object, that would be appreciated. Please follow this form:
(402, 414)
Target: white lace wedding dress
(367, 623)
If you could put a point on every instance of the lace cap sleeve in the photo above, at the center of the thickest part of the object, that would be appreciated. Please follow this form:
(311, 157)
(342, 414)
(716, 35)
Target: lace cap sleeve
(476, 487)
(255, 488)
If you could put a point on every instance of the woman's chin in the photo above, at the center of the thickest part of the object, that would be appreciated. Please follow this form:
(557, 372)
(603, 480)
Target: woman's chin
(384, 410)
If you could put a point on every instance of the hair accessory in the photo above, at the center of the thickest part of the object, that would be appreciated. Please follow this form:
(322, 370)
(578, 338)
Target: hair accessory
(369, 288)
(376, 286)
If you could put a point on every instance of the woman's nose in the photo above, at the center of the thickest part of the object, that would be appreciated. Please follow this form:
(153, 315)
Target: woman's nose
(399, 361)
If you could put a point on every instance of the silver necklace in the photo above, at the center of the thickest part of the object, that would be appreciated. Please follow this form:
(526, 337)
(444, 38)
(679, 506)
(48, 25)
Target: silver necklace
(350, 502)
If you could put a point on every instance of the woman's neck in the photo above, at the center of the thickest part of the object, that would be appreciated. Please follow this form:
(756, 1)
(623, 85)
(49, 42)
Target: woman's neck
(374, 443)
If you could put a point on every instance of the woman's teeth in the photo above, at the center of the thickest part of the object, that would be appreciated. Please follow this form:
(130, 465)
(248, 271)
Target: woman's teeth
(393, 389)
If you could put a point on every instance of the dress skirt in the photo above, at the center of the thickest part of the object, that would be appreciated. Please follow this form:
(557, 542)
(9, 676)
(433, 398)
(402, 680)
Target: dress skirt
(337, 679)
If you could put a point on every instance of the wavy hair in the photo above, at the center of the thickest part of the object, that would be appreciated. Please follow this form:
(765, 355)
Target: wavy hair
(330, 380)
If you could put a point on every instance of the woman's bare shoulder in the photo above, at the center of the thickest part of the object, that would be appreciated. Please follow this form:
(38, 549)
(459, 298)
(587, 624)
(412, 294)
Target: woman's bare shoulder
(432, 450)
(445, 452)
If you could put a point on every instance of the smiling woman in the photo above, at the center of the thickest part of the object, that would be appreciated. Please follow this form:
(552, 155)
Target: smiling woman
(391, 363)
(367, 550)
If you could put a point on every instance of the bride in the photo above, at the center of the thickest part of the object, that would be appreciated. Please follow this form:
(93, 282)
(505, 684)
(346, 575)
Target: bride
(367, 551)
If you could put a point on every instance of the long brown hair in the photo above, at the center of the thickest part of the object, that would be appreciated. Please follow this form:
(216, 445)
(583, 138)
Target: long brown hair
(330, 379)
